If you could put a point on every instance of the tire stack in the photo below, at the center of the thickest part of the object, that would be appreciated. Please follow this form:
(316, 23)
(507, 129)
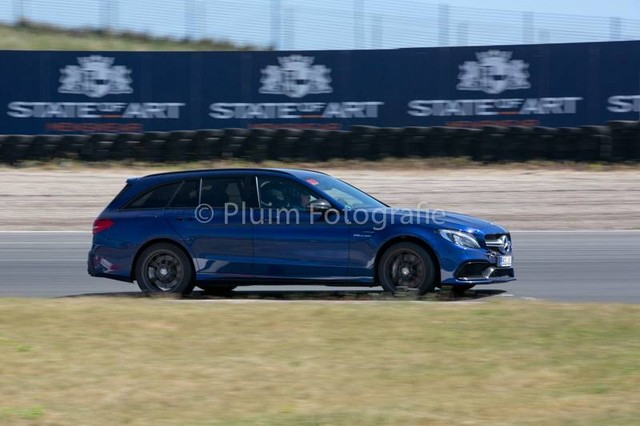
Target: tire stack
(72, 146)
(124, 147)
(361, 143)
(178, 146)
(283, 145)
(309, 146)
(207, 145)
(439, 141)
(153, 147)
(43, 148)
(595, 144)
(625, 140)
(517, 140)
(461, 142)
(100, 147)
(14, 148)
(297, 145)
(620, 141)
(567, 144)
(490, 143)
(257, 144)
(336, 145)
(389, 142)
(541, 143)
(233, 141)
(2, 148)
(414, 142)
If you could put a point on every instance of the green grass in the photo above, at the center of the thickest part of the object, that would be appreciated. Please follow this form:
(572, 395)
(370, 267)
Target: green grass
(29, 36)
(101, 361)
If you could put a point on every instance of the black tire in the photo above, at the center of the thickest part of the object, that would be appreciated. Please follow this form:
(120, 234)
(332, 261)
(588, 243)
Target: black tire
(216, 290)
(164, 268)
(407, 267)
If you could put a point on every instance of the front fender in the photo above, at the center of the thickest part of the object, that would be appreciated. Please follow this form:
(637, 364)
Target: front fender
(366, 244)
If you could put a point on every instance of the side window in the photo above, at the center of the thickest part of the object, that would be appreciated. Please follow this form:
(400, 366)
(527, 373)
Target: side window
(156, 198)
(187, 195)
(217, 192)
(279, 193)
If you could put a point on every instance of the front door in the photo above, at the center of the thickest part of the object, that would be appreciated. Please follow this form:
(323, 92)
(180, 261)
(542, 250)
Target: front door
(289, 241)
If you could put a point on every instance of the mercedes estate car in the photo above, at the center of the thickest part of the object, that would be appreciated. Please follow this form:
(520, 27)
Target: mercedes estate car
(222, 228)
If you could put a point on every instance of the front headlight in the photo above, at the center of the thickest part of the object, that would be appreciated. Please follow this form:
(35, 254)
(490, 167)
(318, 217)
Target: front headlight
(458, 238)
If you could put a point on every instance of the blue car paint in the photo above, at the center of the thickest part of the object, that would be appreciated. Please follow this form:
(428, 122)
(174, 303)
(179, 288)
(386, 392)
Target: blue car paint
(246, 251)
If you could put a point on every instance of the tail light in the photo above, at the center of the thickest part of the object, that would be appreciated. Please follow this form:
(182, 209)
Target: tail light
(100, 225)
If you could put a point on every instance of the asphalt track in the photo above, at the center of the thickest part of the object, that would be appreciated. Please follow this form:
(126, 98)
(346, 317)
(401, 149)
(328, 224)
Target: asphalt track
(579, 266)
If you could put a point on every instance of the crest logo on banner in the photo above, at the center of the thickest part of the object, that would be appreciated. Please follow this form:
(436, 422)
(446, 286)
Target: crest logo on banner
(493, 73)
(296, 77)
(96, 76)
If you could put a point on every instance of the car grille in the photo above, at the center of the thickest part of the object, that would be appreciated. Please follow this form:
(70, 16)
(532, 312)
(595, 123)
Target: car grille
(472, 270)
(498, 243)
(499, 273)
(481, 271)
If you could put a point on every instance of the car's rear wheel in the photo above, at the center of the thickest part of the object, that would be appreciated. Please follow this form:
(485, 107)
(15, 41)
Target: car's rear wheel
(216, 290)
(164, 268)
(407, 267)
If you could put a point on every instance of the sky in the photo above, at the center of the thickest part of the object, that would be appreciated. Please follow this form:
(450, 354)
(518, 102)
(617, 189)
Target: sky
(345, 24)
(607, 8)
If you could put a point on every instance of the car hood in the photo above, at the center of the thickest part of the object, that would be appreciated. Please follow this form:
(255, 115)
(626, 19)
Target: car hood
(439, 219)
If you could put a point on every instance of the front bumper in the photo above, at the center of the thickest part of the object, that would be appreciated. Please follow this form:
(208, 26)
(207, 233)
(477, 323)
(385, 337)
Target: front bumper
(477, 267)
(481, 273)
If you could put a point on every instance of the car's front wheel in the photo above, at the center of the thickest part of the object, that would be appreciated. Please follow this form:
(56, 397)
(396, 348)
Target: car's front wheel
(407, 267)
(164, 268)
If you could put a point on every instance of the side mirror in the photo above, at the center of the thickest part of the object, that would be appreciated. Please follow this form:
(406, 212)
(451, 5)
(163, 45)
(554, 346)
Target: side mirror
(319, 206)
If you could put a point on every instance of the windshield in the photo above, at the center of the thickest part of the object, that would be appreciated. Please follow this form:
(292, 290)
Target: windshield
(349, 196)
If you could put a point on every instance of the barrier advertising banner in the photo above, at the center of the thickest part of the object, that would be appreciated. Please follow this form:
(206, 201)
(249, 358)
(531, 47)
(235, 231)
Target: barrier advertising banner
(554, 85)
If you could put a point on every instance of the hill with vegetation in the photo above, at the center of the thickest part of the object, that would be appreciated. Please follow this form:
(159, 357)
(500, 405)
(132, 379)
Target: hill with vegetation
(29, 36)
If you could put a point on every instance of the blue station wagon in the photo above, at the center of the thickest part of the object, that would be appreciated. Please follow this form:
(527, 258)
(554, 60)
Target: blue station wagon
(218, 229)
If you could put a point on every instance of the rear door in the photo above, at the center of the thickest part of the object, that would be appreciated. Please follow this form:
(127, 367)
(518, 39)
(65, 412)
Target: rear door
(213, 225)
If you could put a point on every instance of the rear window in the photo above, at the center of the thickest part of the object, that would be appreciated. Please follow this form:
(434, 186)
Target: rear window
(120, 194)
(156, 198)
(220, 191)
(187, 195)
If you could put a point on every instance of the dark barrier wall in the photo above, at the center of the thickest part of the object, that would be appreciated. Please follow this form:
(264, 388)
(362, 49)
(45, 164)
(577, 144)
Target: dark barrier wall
(560, 85)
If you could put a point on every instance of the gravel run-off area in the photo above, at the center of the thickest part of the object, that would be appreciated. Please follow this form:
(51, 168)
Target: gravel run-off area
(69, 198)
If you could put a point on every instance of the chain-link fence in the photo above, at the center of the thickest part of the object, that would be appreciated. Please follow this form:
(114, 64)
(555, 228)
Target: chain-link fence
(330, 24)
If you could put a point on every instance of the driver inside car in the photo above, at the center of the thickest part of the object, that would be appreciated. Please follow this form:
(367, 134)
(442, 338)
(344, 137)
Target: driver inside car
(279, 195)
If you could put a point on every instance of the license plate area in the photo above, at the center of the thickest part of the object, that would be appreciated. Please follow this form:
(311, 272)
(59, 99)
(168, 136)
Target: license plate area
(504, 261)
